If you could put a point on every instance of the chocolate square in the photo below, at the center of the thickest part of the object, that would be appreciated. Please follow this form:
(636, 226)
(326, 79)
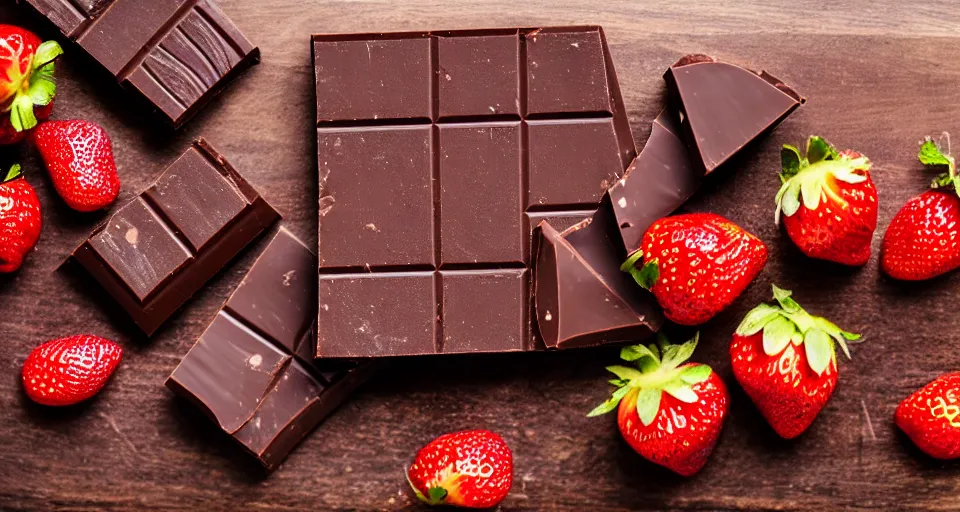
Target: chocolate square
(378, 184)
(140, 248)
(373, 79)
(479, 76)
(366, 315)
(197, 198)
(483, 310)
(566, 72)
(481, 203)
(572, 161)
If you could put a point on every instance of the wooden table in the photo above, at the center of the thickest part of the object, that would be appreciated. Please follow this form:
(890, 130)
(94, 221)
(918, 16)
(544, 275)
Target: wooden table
(878, 74)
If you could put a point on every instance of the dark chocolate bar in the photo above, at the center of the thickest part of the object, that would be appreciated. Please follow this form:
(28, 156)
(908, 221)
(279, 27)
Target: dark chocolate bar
(666, 173)
(723, 107)
(156, 251)
(252, 370)
(438, 153)
(177, 54)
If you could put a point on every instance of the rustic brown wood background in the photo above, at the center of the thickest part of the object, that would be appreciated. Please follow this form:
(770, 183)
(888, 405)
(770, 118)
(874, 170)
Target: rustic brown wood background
(879, 74)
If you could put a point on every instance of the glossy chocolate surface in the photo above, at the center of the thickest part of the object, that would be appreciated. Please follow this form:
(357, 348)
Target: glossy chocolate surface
(723, 107)
(156, 251)
(248, 370)
(578, 306)
(436, 151)
(176, 53)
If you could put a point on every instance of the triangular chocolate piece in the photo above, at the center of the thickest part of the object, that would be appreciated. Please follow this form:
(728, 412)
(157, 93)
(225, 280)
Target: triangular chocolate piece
(576, 305)
(724, 107)
(658, 182)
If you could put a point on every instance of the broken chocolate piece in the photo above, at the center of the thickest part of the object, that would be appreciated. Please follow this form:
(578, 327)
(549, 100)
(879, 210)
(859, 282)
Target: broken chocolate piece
(156, 251)
(177, 54)
(578, 306)
(248, 371)
(723, 107)
(657, 182)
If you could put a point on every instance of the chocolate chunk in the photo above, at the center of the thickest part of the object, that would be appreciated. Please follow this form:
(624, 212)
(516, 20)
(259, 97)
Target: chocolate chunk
(155, 252)
(247, 372)
(177, 54)
(577, 306)
(581, 265)
(436, 150)
(724, 107)
(658, 182)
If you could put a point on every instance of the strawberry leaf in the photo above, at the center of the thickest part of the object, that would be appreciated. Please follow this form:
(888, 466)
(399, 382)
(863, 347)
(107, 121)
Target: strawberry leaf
(819, 149)
(682, 392)
(930, 154)
(46, 53)
(416, 491)
(624, 372)
(819, 349)
(789, 161)
(790, 202)
(696, 373)
(646, 359)
(648, 405)
(777, 335)
(14, 173)
(611, 403)
(756, 319)
(42, 90)
(631, 261)
(21, 113)
(675, 355)
(810, 192)
(647, 276)
(786, 302)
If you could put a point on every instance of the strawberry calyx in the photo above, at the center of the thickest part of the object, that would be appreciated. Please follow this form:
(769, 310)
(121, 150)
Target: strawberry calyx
(937, 154)
(657, 368)
(438, 492)
(807, 178)
(647, 275)
(36, 87)
(14, 173)
(787, 322)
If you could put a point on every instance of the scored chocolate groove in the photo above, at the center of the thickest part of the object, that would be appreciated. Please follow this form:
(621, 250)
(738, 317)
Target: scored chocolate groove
(176, 53)
(438, 153)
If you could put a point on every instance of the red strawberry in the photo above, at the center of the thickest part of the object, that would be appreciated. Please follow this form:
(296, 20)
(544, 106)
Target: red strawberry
(696, 264)
(471, 468)
(922, 239)
(27, 86)
(785, 360)
(79, 157)
(69, 370)
(931, 417)
(669, 412)
(20, 220)
(829, 202)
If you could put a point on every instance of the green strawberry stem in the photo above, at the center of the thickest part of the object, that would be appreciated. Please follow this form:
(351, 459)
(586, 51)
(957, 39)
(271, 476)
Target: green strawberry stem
(435, 495)
(655, 370)
(787, 322)
(937, 154)
(804, 176)
(35, 88)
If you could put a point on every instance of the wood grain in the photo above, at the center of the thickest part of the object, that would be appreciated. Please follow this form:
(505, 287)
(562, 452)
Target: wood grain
(878, 74)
